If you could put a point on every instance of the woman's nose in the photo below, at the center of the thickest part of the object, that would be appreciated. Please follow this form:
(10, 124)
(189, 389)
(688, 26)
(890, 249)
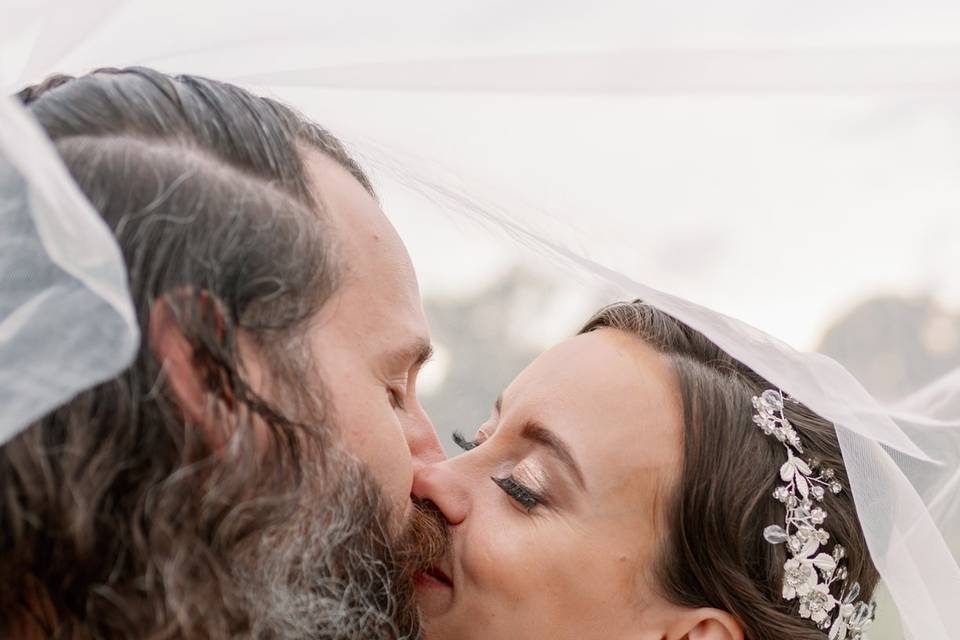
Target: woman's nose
(442, 485)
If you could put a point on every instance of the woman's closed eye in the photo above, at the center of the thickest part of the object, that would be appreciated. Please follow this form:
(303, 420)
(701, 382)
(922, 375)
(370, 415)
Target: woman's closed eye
(523, 495)
(461, 441)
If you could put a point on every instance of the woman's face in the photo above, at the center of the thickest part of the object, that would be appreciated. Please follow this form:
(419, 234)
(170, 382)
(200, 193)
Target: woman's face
(555, 512)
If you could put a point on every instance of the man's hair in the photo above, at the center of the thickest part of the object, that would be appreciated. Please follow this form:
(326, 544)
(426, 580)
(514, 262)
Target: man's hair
(117, 517)
(712, 551)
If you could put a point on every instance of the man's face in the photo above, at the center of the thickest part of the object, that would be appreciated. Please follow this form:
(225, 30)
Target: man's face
(371, 337)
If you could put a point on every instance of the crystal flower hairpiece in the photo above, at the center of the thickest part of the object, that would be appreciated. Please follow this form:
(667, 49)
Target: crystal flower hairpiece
(809, 572)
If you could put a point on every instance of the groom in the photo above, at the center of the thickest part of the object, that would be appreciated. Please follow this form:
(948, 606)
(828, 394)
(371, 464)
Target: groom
(249, 475)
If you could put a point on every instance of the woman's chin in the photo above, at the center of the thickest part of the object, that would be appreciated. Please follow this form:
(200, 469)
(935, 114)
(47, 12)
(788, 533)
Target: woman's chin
(434, 594)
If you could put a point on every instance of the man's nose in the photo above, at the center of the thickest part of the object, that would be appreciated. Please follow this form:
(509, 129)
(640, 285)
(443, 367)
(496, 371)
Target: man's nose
(446, 488)
(422, 440)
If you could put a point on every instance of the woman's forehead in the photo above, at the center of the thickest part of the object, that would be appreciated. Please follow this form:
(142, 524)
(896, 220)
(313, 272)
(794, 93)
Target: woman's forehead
(609, 395)
(607, 364)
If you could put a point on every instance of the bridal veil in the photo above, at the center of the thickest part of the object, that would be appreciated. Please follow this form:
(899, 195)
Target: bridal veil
(752, 168)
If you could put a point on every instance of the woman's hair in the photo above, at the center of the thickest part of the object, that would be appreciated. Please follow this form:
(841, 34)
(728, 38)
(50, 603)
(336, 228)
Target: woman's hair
(116, 517)
(713, 553)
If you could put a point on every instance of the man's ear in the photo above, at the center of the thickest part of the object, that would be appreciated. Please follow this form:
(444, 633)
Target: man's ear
(187, 380)
(707, 624)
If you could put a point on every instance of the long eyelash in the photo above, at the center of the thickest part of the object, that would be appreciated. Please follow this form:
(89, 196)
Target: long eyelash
(461, 441)
(527, 498)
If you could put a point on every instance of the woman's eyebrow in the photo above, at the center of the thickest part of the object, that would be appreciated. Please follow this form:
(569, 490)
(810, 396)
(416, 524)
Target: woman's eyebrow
(536, 432)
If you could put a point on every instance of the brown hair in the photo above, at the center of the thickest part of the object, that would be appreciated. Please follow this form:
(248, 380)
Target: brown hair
(116, 517)
(713, 553)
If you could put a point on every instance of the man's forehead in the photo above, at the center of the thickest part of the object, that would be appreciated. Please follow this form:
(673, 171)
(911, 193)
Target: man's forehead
(346, 204)
(366, 241)
(378, 293)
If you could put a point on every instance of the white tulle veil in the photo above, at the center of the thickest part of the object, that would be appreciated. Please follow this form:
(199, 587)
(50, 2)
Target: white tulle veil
(749, 167)
(66, 319)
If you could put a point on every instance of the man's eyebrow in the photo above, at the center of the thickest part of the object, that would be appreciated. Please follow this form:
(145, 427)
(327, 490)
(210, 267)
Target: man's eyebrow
(413, 355)
(536, 432)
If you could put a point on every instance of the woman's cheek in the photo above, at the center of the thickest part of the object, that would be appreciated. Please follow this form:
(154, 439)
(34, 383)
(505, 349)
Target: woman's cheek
(512, 558)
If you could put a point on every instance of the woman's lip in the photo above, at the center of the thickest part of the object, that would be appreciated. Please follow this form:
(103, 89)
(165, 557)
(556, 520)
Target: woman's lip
(432, 579)
(437, 574)
(435, 592)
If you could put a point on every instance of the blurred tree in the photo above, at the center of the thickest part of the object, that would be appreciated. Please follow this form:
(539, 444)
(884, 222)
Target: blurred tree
(895, 345)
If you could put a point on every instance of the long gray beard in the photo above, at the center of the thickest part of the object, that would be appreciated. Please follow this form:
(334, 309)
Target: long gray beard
(331, 571)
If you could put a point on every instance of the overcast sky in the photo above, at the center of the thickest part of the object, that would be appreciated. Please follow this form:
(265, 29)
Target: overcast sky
(779, 161)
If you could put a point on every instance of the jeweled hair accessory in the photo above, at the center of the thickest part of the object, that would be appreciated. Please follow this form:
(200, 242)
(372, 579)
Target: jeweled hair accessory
(810, 572)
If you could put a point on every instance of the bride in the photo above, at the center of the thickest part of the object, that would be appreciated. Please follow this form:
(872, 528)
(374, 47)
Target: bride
(636, 481)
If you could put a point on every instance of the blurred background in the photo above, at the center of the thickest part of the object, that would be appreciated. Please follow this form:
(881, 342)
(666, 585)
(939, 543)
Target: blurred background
(483, 340)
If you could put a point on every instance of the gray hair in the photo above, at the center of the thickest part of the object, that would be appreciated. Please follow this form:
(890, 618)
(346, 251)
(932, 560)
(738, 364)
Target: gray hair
(117, 519)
